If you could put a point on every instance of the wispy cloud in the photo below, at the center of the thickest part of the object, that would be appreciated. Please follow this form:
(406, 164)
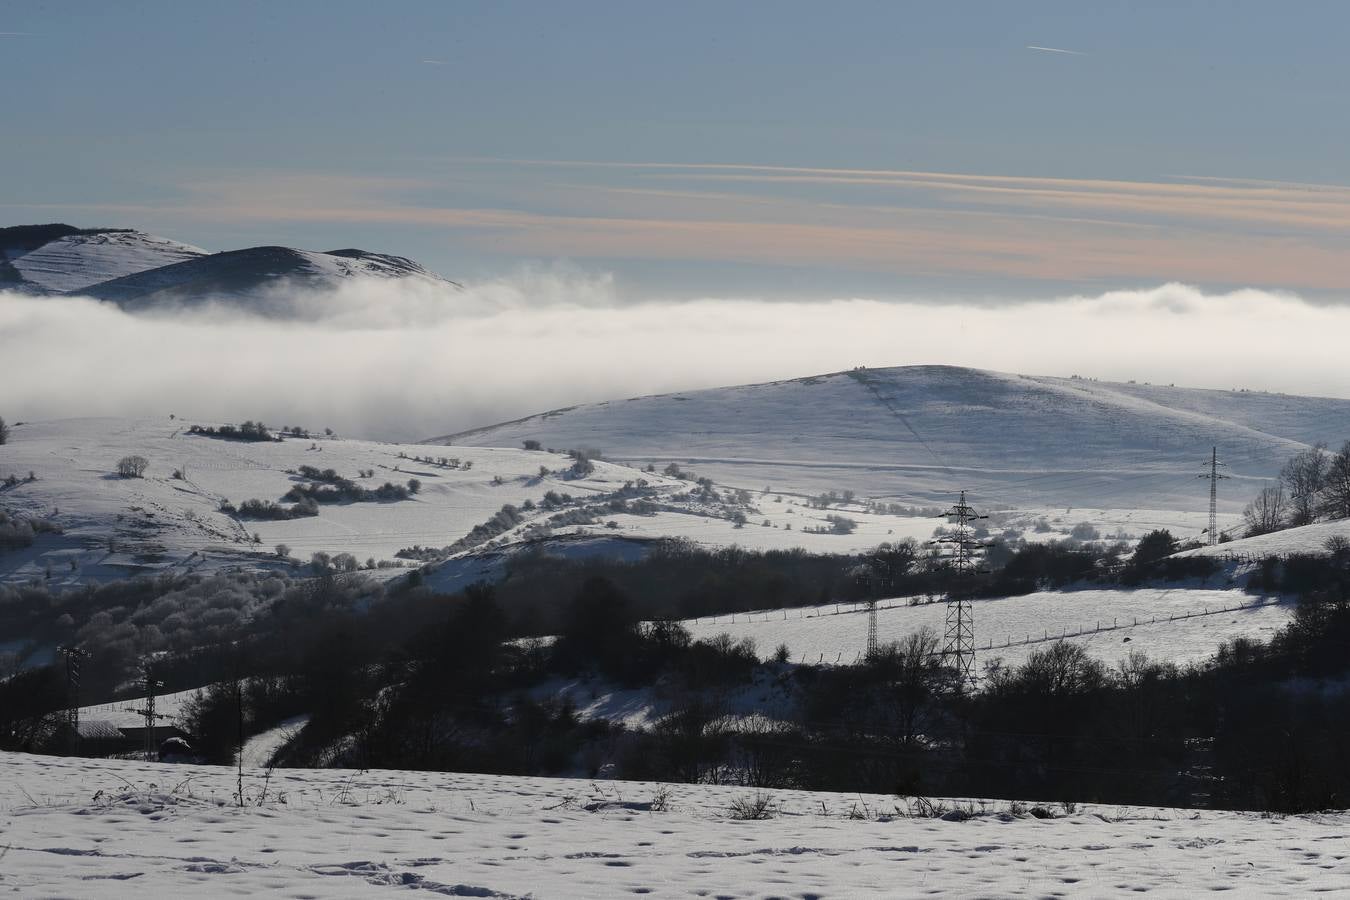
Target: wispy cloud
(1056, 50)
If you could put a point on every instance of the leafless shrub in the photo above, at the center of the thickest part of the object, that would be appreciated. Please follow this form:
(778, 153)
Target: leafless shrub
(753, 807)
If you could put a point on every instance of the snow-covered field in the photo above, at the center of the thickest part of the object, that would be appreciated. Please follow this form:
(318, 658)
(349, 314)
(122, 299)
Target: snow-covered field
(1180, 625)
(94, 828)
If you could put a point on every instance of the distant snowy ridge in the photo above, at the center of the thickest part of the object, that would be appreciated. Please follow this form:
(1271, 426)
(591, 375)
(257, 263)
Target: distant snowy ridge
(141, 271)
(55, 259)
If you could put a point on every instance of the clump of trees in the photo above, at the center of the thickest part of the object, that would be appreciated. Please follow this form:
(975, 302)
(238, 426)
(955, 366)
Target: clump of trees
(830, 498)
(4, 432)
(833, 525)
(327, 486)
(245, 431)
(583, 462)
(267, 510)
(132, 466)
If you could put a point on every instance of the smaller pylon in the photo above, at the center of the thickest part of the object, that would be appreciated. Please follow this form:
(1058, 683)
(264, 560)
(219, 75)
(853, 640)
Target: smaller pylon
(73, 657)
(151, 686)
(871, 629)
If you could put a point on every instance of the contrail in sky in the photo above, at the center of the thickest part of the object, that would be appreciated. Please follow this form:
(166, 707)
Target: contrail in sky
(1056, 50)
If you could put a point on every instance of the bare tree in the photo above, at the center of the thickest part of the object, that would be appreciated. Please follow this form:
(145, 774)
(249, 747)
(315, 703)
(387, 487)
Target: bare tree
(1336, 491)
(4, 432)
(1267, 512)
(1304, 477)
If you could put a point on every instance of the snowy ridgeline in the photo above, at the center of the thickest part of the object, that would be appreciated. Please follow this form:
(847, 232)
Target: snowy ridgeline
(93, 828)
(139, 271)
(1179, 625)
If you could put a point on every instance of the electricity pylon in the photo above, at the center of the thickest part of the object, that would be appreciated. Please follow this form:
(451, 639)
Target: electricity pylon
(1214, 475)
(958, 644)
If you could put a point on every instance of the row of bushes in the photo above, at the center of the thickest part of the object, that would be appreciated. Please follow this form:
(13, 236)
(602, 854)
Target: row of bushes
(246, 431)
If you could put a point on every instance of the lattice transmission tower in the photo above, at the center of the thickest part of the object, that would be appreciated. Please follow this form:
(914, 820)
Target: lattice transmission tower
(958, 643)
(1214, 476)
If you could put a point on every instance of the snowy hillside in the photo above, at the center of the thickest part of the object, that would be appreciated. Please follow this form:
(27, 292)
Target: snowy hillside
(60, 259)
(1175, 624)
(102, 828)
(113, 527)
(918, 433)
(255, 273)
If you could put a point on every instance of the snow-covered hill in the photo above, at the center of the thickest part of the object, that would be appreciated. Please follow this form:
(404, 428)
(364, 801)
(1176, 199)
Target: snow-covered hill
(919, 433)
(105, 828)
(55, 259)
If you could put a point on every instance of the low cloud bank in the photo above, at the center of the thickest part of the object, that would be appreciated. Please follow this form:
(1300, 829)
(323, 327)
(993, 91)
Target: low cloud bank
(406, 361)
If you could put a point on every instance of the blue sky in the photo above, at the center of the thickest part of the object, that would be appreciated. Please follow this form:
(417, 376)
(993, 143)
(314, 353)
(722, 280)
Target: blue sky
(773, 149)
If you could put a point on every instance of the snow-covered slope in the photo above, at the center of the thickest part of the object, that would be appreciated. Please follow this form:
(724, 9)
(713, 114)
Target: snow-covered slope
(62, 259)
(1310, 539)
(104, 828)
(254, 273)
(922, 432)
